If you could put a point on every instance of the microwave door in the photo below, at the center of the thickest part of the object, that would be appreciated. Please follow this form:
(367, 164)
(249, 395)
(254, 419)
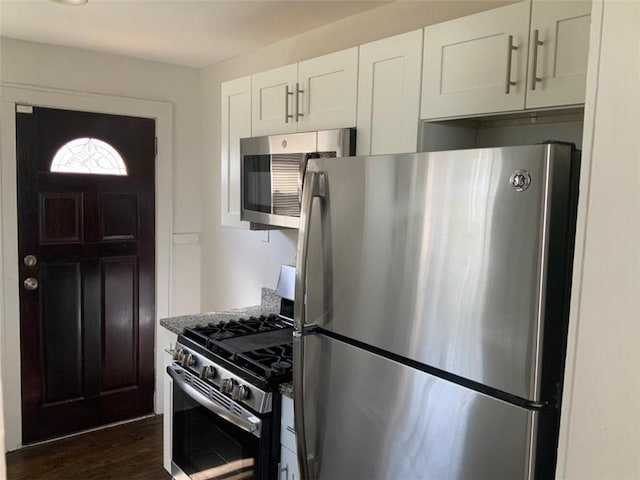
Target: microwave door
(256, 180)
(270, 188)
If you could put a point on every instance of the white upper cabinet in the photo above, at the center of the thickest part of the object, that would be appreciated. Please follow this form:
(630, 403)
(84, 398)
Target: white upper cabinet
(315, 94)
(329, 85)
(272, 95)
(558, 61)
(235, 124)
(389, 95)
(476, 64)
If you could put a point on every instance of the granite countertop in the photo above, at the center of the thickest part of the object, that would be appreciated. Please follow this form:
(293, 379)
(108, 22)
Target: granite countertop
(270, 303)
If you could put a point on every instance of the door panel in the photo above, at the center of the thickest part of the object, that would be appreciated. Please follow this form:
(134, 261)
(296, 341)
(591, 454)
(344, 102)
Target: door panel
(119, 324)
(270, 103)
(87, 331)
(389, 94)
(561, 60)
(406, 423)
(235, 124)
(467, 62)
(118, 216)
(61, 285)
(60, 217)
(330, 87)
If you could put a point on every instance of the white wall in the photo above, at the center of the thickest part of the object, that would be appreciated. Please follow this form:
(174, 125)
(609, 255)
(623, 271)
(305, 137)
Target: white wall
(600, 435)
(237, 263)
(73, 70)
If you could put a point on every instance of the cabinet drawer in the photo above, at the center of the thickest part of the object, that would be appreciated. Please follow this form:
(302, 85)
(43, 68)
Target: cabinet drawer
(287, 431)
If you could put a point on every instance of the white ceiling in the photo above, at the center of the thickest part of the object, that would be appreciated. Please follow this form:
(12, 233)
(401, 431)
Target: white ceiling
(193, 33)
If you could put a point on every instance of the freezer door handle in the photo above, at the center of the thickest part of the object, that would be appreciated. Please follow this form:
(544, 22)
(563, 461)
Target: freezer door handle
(314, 186)
(298, 405)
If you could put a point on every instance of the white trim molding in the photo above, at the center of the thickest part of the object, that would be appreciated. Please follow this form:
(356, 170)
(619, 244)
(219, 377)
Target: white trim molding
(12, 95)
(591, 96)
(186, 238)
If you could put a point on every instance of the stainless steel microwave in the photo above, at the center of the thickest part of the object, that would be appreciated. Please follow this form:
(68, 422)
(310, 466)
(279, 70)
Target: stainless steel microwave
(272, 172)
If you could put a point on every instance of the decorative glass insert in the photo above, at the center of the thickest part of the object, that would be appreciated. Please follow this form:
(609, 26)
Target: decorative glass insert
(88, 155)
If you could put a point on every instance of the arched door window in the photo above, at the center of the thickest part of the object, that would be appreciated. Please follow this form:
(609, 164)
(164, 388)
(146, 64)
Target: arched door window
(88, 155)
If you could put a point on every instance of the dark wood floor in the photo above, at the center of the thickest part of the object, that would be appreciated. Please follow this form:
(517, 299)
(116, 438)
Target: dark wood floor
(132, 451)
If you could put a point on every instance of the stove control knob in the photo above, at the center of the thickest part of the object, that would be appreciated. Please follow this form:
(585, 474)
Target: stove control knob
(240, 392)
(178, 355)
(189, 361)
(207, 373)
(226, 385)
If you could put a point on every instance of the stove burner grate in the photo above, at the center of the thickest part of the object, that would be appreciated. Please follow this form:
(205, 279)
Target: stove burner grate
(222, 330)
(261, 345)
(268, 362)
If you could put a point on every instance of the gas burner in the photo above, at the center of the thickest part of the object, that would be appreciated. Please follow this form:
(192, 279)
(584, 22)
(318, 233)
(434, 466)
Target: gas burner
(270, 362)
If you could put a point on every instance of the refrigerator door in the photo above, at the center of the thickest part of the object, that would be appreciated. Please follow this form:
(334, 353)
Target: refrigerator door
(442, 258)
(368, 417)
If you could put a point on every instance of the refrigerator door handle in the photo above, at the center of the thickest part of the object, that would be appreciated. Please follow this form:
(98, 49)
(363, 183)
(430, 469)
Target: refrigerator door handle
(298, 405)
(314, 186)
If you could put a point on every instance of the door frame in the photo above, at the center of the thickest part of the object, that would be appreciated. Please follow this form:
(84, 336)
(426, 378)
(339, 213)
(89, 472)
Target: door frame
(11, 95)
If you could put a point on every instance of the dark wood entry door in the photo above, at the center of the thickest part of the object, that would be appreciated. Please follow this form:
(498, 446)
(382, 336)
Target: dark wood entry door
(87, 326)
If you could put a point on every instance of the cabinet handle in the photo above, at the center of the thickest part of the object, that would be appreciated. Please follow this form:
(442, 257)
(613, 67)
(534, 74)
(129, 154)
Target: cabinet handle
(285, 470)
(534, 67)
(298, 92)
(508, 82)
(286, 104)
(290, 429)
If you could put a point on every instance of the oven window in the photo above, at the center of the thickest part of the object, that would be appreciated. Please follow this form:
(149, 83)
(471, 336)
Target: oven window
(257, 183)
(206, 447)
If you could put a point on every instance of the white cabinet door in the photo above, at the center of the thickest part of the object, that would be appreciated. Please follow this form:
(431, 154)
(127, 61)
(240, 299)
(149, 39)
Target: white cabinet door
(288, 458)
(559, 61)
(389, 94)
(288, 465)
(167, 427)
(287, 431)
(315, 94)
(272, 101)
(329, 87)
(470, 63)
(235, 124)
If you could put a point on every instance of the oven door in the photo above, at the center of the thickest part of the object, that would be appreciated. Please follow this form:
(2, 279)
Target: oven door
(213, 437)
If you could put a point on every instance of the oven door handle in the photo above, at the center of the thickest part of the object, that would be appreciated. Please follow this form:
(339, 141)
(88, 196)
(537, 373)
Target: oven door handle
(250, 424)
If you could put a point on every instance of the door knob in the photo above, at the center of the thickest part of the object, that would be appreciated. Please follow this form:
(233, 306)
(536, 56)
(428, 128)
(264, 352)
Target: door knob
(31, 283)
(30, 260)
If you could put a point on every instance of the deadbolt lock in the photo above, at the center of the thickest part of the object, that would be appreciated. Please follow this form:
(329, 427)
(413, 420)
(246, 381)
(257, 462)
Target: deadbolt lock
(31, 283)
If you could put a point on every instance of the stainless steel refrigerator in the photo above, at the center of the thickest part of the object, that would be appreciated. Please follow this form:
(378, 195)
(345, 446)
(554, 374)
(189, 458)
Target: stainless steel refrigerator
(432, 300)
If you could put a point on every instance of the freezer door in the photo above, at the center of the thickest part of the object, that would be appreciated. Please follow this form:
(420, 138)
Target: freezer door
(443, 257)
(367, 417)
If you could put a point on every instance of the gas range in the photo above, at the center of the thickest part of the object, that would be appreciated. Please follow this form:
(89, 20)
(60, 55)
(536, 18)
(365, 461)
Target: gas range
(224, 383)
(245, 360)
